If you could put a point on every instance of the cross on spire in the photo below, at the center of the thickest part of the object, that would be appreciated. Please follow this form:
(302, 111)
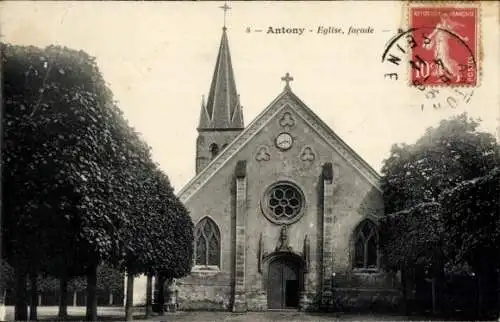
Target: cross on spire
(287, 79)
(225, 7)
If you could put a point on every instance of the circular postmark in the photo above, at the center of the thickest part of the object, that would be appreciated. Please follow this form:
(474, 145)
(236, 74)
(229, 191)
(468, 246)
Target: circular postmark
(437, 54)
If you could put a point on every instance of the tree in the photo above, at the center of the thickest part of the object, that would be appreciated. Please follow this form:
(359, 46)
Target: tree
(83, 188)
(182, 233)
(62, 137)
(471, 220)
(473, 204)
(443, 157)
(410, 236)
(415, 234)
(109, 280)
(156, 234)
(412, 241)
(35, 145)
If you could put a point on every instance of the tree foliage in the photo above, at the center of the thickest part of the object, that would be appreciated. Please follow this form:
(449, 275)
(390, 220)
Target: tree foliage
(411, 237)
(108, 279)
(471, 220)
(182, 233)
(83, 188)
(55, 100)
(441, 194)
(425, 183)
(159, 236)
(443, 157)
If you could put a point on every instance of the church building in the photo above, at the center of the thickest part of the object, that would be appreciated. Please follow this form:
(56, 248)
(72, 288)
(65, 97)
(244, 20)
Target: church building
(285, 212)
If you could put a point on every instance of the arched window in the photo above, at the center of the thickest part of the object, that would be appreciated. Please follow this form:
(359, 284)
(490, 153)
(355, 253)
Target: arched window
(214, 150)
(207, 243)
(365, 246)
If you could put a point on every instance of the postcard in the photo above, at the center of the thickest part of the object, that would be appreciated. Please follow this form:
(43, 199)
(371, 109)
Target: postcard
(278, 126)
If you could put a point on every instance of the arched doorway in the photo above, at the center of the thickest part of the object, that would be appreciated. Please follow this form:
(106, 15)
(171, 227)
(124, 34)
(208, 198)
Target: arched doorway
(284, 282)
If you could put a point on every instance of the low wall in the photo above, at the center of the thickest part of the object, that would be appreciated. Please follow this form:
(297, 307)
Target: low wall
(207, 291)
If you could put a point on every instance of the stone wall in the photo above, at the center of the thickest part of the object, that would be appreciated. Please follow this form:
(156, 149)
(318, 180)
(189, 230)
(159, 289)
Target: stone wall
(204, 297)
(256, 300)
(204, 291)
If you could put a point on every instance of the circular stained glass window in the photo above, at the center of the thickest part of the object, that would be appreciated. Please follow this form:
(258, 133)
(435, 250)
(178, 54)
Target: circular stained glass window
(283, 203)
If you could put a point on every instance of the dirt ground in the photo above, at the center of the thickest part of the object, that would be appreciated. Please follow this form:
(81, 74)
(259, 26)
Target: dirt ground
(49, 313)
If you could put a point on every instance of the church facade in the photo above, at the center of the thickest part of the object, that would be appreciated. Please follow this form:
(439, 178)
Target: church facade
(285, 212)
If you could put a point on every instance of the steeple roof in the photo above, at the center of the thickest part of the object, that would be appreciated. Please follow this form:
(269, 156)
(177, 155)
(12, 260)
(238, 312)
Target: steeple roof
(222, 109)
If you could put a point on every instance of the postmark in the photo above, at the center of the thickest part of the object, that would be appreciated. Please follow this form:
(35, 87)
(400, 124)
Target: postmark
(436, 52)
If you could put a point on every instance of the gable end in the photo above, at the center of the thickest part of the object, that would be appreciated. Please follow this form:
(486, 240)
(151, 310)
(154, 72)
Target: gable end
(285, 99)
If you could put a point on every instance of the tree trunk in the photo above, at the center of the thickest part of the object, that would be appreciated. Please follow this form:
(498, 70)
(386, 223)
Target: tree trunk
(498, 293)
(440, 291)
(63, 298)
(110, 298)
(129, 304)
(487, 289)
(34, 297)
(75, 298)
(161, 294)
(404, 285)
(21, 306)
(434, 296)
(92, 294)
(479, 295)
(149, 295)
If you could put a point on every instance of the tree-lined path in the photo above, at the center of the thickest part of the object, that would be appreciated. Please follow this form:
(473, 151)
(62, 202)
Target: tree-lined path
(80, 186)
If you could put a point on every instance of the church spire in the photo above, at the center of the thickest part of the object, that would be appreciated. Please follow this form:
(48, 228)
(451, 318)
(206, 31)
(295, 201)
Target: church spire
(221, 115)
(223, 108)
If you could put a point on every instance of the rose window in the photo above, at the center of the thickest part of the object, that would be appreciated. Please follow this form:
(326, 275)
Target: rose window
(283, 203)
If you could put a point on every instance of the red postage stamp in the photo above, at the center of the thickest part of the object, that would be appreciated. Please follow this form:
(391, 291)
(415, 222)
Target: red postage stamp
(445, 49)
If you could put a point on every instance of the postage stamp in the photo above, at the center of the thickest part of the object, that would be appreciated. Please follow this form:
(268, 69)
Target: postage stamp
(446, 42)
(437, 51)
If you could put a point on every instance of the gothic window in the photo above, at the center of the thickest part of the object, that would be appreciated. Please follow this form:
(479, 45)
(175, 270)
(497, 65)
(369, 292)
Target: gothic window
(283, 203)
(207, 243)
(214, 150)
(365, 246)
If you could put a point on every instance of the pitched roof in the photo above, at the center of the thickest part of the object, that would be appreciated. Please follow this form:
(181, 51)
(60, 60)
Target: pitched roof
(286, 99)
(223, 109)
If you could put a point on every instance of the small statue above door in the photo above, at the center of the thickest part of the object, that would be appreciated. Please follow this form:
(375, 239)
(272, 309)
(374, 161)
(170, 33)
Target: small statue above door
(283, 245)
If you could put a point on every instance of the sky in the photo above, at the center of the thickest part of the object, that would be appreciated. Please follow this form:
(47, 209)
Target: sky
(158, 59)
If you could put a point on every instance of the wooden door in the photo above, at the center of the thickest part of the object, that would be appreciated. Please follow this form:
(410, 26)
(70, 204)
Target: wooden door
(283, 284)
